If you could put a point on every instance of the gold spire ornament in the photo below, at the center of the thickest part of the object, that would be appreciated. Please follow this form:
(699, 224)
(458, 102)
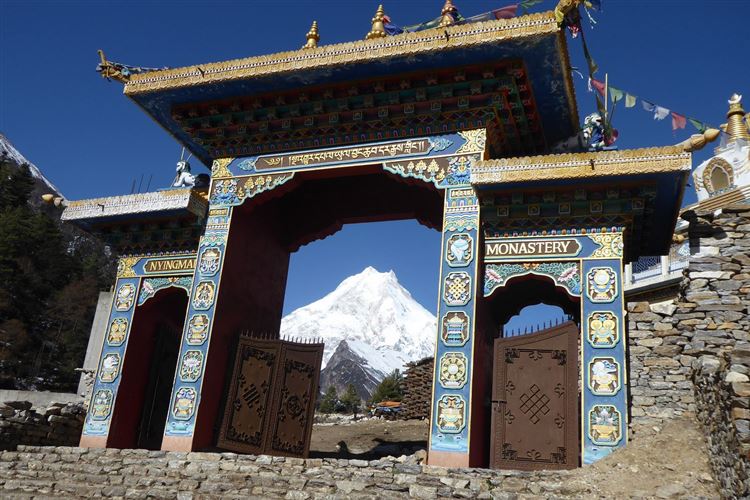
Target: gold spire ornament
(448, 14)
(697, 142)
(378, 25)
(312, 37)
(735, 127)
(110, 70)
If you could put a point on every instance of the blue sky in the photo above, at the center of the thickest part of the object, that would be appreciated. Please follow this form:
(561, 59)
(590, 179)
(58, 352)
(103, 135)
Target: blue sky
(90, 140)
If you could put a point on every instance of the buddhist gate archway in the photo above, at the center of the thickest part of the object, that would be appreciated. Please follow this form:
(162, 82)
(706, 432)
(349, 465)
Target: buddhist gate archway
(440, 126)
(263, 207)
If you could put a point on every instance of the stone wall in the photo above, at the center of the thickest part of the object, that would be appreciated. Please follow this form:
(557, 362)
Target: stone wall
(81, 472)
(723, 393)
(714, 318)
(59, 424)
(659, 371)
(693, 353)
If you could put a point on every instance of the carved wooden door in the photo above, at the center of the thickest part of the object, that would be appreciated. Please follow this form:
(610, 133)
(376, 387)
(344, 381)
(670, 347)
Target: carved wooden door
(271, 400)
(535, 421)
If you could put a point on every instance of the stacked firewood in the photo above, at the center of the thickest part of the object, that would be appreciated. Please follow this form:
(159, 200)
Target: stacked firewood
(417, 387)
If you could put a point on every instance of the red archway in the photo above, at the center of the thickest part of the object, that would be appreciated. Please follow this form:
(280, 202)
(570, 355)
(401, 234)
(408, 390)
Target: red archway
(267, 228)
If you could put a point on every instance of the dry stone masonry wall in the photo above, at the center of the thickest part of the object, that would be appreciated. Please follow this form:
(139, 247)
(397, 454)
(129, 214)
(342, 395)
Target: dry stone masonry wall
(80, 472)
(714, 316)
(59, 424)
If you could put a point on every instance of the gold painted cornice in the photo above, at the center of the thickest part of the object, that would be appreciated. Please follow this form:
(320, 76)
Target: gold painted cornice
(350, 52)
(582, 165)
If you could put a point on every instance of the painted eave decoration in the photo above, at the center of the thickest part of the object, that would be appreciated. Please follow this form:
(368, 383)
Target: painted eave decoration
(535, 40)
(665, 169)
(189, 203)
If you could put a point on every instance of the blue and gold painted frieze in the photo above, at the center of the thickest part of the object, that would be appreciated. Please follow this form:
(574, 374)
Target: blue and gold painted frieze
(385, 152)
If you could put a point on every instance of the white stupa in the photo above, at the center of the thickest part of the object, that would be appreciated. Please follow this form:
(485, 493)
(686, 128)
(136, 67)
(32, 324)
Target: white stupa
(725, 178)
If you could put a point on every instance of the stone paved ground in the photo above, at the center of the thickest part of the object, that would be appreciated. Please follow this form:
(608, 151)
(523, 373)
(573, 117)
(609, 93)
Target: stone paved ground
(670, 463)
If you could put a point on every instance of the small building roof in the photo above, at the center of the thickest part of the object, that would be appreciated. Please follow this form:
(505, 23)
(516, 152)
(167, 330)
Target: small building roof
(144, 222)
(643, 187)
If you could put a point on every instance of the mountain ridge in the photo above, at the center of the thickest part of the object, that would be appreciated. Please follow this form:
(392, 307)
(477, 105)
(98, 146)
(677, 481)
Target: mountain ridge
(382, 325)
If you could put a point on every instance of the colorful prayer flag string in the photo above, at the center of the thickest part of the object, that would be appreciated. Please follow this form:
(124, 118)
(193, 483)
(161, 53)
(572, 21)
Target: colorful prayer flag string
(679, 121)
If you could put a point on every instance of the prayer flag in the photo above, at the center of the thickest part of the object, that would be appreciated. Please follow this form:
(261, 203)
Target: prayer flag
(594, 4)
(700, 126)
(390, 28)
(615, 94)
(629, 100)
(660, 113)
(525, 4)
(678, 121)
(506, 12)
(599, 86)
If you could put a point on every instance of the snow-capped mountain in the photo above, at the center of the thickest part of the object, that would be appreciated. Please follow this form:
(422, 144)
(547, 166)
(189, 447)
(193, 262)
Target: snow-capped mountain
(10, 153)
(383, 326)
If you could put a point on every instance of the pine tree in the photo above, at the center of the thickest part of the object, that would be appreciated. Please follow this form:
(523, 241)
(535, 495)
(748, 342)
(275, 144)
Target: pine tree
(48, 293)
(329, 401)
(351, 400)
(389, 389)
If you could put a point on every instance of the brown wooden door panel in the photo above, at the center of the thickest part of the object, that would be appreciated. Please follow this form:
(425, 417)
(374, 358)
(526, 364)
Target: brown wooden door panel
(297, 376)
(271, 398)
(250, 396)
(535, 400)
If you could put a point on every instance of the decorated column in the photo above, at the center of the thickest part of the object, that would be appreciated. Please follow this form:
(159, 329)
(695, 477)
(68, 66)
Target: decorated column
(180, 426)
(604, 396)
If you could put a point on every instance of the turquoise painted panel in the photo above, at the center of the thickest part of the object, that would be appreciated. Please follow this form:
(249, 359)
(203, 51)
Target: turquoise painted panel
(455, 343)
(196, 336)
(604, 386)
(109, 371)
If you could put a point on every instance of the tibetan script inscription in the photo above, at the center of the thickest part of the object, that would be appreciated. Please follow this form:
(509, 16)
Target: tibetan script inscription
(169, 265)
(532, 248)
(337, 155)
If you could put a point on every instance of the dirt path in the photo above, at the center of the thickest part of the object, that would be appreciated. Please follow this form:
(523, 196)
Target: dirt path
(668, 462)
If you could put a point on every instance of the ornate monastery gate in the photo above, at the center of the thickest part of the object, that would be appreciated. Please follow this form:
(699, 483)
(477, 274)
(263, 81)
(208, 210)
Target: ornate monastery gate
(535, 400)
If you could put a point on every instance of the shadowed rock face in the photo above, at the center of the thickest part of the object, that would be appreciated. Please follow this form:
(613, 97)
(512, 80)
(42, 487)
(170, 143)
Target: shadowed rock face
(347, 367)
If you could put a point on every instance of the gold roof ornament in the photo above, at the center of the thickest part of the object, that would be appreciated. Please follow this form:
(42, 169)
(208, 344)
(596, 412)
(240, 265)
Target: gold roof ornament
(110, 70)
(448, 14)
(312, 37)
(698, 141)
(735, 127)
(378, 25)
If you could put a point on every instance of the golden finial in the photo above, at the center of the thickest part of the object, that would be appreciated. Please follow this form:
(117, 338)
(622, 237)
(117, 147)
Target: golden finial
(312, 37)
(696, 142)
(378, 26)
(735, 127)
(448, 14)
(110, 70)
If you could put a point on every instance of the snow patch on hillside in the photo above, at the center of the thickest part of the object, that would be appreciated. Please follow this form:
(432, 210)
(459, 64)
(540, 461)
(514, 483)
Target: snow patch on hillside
(7, 150)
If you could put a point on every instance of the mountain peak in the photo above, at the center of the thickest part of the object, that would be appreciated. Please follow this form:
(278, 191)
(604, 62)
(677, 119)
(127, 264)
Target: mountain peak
(374, 315)
(10, 153)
